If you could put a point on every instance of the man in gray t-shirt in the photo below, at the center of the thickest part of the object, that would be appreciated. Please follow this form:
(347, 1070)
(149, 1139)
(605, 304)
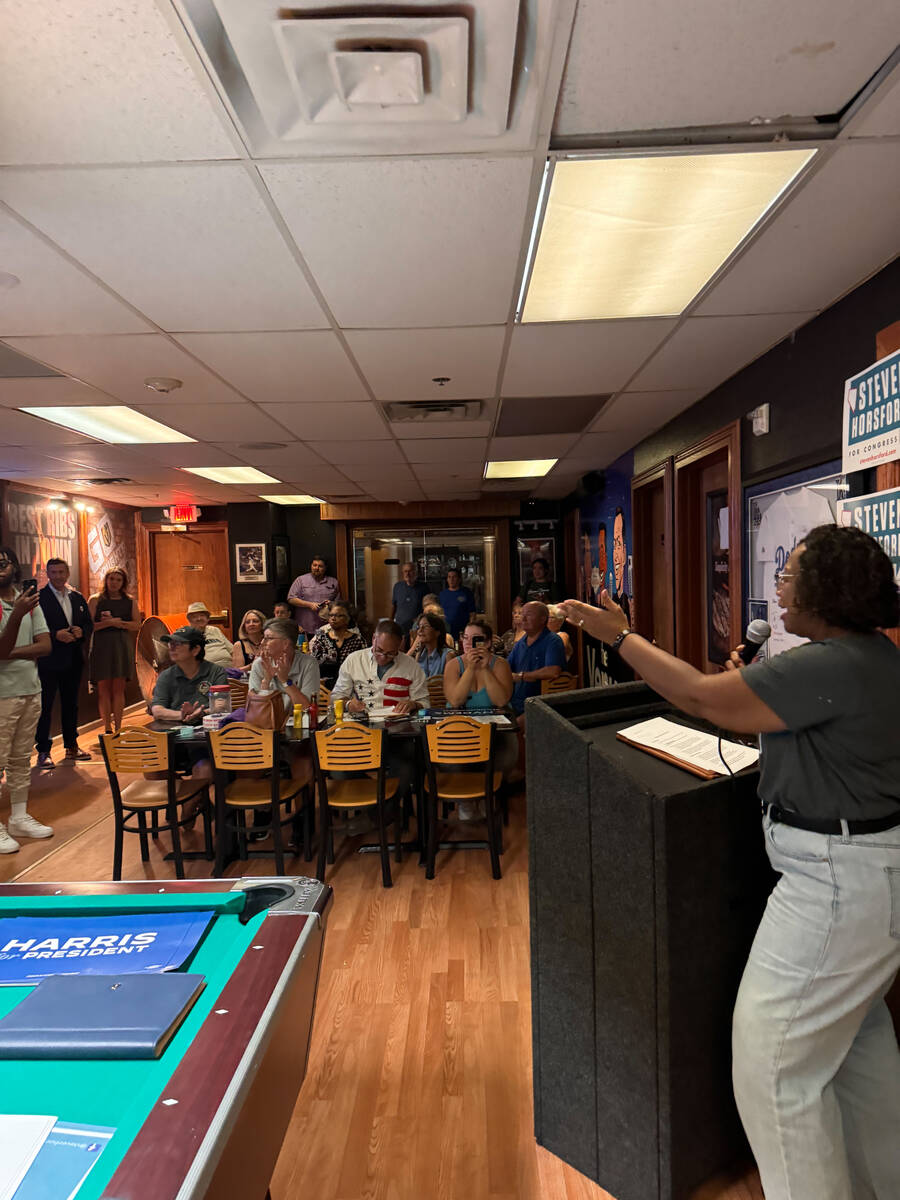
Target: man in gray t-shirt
(833, 696)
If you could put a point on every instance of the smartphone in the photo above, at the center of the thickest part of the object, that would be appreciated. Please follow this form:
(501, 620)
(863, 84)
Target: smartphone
(477, 641)
(29, 586)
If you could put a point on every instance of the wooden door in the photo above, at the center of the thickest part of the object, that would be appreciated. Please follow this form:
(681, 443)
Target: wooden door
(185, 567)
(651, 507)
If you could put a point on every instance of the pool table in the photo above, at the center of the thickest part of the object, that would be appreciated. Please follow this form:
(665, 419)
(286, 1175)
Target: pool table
(206, 1119)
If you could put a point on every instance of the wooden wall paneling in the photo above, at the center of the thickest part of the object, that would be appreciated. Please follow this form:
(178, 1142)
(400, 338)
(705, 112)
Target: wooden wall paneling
(342, 557)
(470, 511)
(653, 613)
(503, 576)
(144, 573)
(690, 540)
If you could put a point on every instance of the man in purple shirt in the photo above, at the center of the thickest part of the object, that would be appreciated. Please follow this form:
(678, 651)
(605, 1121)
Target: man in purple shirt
(309, 592)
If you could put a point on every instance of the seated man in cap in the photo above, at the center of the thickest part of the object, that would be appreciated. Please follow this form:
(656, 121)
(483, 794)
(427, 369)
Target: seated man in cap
(218, 648)
(182, 690)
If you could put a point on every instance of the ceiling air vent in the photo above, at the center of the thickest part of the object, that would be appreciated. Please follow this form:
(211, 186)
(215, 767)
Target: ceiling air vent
(363, 77)
(434, 410)
(103, 481)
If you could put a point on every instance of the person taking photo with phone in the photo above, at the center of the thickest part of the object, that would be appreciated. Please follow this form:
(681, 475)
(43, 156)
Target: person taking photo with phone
(20, 698)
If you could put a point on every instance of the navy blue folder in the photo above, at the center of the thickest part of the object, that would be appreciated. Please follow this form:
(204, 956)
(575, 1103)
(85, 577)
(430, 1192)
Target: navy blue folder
(99, 1016)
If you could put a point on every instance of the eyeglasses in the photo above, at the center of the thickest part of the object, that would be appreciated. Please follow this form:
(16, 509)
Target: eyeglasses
(6, 562)
(387, 655)
(781, 577)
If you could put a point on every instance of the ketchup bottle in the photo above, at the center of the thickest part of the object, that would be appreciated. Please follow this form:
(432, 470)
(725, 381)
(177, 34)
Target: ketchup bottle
(314, 714)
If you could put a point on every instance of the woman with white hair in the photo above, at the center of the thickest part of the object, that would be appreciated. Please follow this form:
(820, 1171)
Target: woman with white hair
(555, 624)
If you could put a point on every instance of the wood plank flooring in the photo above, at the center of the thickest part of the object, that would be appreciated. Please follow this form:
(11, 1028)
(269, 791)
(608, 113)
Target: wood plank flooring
(419, 1083)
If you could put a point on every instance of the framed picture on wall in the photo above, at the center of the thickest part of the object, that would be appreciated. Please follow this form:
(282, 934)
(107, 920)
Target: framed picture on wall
(718, 596)
(281, 559)
(250, 562)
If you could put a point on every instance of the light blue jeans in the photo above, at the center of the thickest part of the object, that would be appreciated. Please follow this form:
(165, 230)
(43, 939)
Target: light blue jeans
(816, 1063)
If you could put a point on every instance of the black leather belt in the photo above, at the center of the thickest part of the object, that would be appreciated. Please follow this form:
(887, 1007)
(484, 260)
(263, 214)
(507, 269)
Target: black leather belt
(877, 825)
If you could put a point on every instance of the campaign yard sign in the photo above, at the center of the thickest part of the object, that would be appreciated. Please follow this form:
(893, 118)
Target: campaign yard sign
(872, 415)
(878, 515)
(32, 947)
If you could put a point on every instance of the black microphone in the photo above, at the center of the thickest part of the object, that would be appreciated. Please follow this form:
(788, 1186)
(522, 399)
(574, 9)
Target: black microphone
(758, 633)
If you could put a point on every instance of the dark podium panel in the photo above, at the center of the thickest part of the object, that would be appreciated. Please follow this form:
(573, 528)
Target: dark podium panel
(646, 885)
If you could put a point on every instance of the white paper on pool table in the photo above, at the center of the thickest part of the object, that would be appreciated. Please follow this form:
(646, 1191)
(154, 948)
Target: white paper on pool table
(21, 1137)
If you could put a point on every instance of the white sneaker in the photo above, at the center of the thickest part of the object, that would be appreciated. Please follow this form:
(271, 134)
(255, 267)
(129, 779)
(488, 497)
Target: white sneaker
(8, 845)
(467, 810)
(27, 826)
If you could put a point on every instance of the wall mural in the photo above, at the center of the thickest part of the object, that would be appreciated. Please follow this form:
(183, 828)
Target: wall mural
(111, 543)
(38, 530)
(606, 562)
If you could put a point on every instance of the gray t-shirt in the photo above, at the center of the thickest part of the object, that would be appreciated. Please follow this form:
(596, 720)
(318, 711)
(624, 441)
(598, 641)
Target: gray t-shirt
(304, 674)
(840, 755)
(19, 676)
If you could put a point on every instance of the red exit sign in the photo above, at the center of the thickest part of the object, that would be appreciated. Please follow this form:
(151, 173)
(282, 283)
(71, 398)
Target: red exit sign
(183, 514)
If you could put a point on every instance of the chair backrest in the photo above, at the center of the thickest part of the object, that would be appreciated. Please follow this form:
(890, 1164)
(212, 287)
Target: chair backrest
(239, 689)
(135, 750)
(436, 697)
(349, 747)
(242, 747)
(324, 696)
(565, 681)
(458, 740)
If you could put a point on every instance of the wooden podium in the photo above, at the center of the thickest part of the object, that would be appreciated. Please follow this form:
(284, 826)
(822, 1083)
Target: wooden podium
(646, 887)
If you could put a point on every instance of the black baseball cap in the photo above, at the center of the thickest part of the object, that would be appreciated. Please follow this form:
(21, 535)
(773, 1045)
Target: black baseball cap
(186, 634)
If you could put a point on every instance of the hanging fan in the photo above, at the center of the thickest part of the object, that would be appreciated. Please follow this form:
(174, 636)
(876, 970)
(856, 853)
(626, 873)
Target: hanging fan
(151, 655)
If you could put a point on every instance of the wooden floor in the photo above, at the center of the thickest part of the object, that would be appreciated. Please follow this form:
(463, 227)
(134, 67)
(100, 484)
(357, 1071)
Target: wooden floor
(419, 1083)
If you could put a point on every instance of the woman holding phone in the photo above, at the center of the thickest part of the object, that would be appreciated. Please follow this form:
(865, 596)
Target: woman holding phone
(478, 678)
(111, 665)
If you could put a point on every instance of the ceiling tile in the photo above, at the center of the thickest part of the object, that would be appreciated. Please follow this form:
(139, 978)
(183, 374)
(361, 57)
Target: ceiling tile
(838, 228)
(49, 393)
(100, 82)
(119, 366)
(580, 357)
(643, 412)
(280, 368)
(324, 422)
(402, 364)
(603, 449)
(880, 115)
(449, 232)
(449, 429)
(193, 247)
(445, 450)
(705, 63)
(228, 422)
(53, 296)
(707, 350)
(530, 415)
(546, 446)
(19, 429)
(385, 451)
(289, 457)
(16, 366)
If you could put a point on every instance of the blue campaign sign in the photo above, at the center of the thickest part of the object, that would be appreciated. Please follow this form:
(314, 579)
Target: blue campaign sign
(33, 947)
(872, 415)
(878, 515)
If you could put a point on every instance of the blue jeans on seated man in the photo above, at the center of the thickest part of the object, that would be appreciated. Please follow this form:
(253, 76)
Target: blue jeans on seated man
(816, 1063)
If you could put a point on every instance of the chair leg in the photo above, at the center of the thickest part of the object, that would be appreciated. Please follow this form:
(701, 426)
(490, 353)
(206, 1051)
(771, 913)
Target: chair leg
(385, 852)
(309, 819)
(142, 830)
(154, 824)
(324, 837)
(432, 835)
(176, 843)
(221, 834)
(207, 827)
(117, 845)
(491, 812)
(400, 823)
(276, 839)
(330, 842)
(241, 818)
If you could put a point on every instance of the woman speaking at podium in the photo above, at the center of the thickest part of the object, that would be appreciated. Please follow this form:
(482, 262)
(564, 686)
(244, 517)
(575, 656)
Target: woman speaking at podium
(816, 1066)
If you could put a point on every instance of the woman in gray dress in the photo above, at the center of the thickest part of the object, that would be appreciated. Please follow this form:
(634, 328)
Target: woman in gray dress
(116, 618)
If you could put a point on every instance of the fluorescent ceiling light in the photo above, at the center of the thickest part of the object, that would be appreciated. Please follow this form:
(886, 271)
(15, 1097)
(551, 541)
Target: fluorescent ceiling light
(639, 237)
(110, 423)
(293, 499)
(232, 474)
(528, 468)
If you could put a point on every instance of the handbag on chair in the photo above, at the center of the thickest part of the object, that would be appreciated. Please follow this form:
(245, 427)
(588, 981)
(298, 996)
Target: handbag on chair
(266, 711)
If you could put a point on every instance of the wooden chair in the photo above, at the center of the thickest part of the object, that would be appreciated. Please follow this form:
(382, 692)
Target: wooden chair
(565, 681)
(351, 749)
(239, 689)
(324, 698)
(244, 750)
(436, 697)
(461, 742)
(138, 751)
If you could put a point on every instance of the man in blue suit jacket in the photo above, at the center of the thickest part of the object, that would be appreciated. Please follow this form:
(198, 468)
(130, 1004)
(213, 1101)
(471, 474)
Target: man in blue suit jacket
(69, 621)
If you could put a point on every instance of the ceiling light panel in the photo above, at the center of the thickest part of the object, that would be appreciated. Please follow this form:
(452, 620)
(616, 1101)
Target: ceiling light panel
(232, 474)
(297, 498)
(110, 423)
(531, 468)
(639, 237)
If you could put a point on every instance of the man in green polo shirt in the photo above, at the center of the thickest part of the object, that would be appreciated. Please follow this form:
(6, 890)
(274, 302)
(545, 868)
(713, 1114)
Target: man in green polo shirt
(182, 690)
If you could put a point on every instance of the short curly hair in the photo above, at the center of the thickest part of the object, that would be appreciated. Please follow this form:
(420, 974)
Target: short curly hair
(846, 578)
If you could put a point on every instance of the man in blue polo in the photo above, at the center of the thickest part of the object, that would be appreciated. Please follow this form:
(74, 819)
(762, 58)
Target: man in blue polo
(539, 655)
(407, 597)
(458, 603)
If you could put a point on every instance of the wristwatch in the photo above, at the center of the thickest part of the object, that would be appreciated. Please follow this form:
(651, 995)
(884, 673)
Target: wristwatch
(619, 639)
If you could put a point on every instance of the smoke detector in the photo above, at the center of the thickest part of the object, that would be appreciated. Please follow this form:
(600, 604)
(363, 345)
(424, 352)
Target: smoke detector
(434, 410)
(161, 383)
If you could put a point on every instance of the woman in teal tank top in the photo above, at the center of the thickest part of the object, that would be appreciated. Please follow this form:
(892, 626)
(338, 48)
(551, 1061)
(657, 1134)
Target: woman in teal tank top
(477, 679)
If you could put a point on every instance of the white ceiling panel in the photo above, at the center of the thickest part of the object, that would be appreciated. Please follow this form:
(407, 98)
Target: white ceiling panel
(53, 296)
(187, 454)
(193, 247)
(704, 62)
(289, 456)
(835, 231)
(579, 358)
(464, 451)
(324, 422)
(449, 475)
(314, 482)
(642, 412)
(100, 81)
(880, 115)
(545, 445)
(119, 366)
(402, 364)
(280, 368)
(704, 351)
(228, 422)
(434, 494)
(603, 453)
(19, 429)
(448, 236)
(447, 429)
(49, 393)
(381, 450)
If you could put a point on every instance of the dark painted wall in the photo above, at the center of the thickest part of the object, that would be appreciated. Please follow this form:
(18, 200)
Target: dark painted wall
(802, 379)
(309, 536)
